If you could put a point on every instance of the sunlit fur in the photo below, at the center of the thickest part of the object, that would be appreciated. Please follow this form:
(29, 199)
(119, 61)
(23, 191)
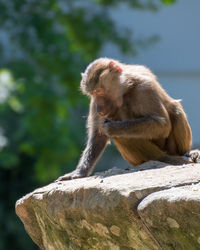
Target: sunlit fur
(128, 104)
(160, 128)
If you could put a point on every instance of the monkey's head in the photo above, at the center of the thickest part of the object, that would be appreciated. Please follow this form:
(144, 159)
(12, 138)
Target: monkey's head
(101, 81)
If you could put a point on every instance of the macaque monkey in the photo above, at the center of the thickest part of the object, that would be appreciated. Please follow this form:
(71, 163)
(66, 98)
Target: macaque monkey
(128, 104)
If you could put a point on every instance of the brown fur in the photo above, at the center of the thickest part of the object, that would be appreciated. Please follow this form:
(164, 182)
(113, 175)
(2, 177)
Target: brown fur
(133, 109)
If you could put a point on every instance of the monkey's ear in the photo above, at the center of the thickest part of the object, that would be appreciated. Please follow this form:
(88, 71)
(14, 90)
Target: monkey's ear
(82, 75)
(114, 66)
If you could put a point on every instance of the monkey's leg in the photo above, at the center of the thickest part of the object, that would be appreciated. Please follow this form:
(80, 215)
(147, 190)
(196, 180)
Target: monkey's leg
(190, 157)
(175, 159)
(91, 154)
(180, 138)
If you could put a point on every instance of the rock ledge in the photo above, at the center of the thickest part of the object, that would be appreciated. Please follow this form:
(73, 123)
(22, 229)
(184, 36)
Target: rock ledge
(153, 206)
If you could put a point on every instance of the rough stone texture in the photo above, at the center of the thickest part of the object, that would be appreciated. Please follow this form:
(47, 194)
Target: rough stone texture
(104, 211)
(173, 217)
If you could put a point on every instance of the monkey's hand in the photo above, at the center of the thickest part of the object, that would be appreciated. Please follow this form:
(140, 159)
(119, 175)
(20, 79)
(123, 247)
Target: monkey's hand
(73, 175)
(109, 127)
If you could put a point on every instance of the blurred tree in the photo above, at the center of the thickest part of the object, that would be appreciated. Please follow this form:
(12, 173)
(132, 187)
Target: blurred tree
(44, 45)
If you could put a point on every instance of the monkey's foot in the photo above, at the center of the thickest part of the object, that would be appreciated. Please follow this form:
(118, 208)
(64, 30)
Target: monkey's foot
(70, 176)
(194, 156)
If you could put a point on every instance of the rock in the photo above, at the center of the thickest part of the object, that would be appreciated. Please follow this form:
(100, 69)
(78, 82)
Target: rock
(101, 212)
(173, 217)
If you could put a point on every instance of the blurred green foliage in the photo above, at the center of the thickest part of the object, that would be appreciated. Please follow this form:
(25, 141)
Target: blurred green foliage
(44, 45)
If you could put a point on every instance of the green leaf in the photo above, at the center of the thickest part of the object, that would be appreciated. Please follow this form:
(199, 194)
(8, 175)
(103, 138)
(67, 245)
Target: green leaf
(168, 1)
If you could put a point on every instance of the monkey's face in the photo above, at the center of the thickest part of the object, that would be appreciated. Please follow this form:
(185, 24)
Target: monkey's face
(105, 105)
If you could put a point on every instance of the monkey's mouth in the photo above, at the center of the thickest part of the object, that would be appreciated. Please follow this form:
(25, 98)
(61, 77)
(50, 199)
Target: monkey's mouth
(107, 114)
(104, 114)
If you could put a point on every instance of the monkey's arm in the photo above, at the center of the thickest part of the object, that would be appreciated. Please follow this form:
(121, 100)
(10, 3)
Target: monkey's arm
(147, 127)
(96, 144)
(91, 154)
(152, 119)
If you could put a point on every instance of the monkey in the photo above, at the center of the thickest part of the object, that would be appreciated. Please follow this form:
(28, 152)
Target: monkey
(129, 106)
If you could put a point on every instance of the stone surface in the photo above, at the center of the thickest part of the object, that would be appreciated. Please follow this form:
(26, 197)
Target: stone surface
(101, 212)
(173, 217)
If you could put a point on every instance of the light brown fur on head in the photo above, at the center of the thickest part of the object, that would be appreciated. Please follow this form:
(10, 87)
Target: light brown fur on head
(105, 74)
(99, 73)
(95, 74)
